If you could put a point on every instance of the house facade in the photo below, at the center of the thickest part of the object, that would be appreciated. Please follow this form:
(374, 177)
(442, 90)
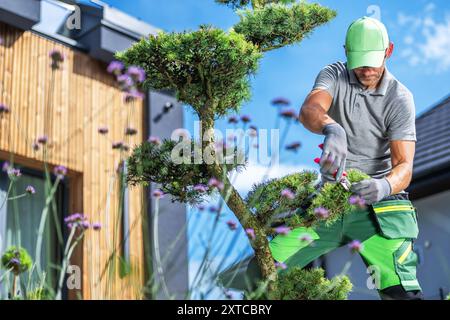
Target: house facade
(74, 115)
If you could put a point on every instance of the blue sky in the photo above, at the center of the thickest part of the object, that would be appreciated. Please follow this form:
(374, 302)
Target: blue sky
(420, 31)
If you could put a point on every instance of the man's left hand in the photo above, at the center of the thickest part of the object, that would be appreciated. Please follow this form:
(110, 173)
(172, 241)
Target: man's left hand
(372, 190)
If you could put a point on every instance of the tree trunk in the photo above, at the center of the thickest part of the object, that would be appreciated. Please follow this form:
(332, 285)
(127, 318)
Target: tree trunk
(236, 204)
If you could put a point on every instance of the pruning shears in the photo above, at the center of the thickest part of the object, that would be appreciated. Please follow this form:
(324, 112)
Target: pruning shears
(345, 183)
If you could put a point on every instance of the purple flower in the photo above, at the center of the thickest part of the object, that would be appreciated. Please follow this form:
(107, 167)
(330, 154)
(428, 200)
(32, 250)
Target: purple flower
(85, 225)
(154, 140)
(30, 190)
(289, 114)
(96, 226)
(117, 145)
(353, 200)
(232, 224)
(130, 131)
(60, 171)
(228, 294)
(200, 188)
(282, 230)
(251, 233)
(5, 166)
(103, 130)
(321, 212)
(76, 220)
(57, 57)
(14, 262)
(233, 119)
(280, 102)
(280, 265)
(137, 73)
(132, 94)
(3, 108)
(115, 67)
(253, 131)
(355, 246)
(158, 193)
(293, 146)
(357, 200)
(14, 172)
(213, 182)
(42, 139)
(35, 146)
(213, 209)
(245, 118)
(287, 193)
(73, 217)
(125, 81)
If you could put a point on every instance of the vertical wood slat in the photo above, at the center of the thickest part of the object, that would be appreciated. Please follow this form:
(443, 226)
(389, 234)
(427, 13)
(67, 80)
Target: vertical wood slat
(84, 97)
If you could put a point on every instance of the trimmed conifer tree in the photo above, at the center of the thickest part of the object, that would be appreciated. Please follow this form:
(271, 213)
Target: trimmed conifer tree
(210, 70)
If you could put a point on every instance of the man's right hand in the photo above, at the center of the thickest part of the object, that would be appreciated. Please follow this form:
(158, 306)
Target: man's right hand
(334, 152)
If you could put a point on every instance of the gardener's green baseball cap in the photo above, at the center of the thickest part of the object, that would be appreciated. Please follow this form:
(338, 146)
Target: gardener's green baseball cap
(365, 43)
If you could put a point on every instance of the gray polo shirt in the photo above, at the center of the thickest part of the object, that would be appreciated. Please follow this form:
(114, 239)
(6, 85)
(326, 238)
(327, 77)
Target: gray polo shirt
(371, 118)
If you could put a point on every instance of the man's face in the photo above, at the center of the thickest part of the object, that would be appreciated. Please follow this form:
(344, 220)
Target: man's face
(369, 76)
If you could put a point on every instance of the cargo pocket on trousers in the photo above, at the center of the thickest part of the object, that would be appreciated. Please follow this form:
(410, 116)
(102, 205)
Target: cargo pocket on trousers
(405, 266)
(396, 219)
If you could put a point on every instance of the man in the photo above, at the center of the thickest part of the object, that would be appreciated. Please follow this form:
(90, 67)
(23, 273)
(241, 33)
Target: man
(368, 119)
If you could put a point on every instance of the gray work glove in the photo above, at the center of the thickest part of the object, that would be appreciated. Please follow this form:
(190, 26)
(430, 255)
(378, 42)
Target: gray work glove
(334, 152)
(372, 190)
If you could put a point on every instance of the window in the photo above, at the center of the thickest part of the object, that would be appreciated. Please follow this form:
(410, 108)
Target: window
(20, 219)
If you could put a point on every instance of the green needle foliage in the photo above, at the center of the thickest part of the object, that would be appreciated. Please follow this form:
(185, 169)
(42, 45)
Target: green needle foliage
(156, 163)
(300, 284)
(208, 68)
(278, 25)
(334, 198)
(265, 198)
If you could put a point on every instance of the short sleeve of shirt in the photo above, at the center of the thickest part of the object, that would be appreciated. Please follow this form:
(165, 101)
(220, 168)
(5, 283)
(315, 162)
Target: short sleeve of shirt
(327, 79)
(402, 120)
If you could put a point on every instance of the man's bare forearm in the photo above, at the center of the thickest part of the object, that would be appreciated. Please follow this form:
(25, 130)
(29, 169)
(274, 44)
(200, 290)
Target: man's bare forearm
(400, 177)
(314, 118)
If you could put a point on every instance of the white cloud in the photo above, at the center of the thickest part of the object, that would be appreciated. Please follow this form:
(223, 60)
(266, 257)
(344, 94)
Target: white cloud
(436, 47)
(432, 48)
(411, 21)
(408, 40)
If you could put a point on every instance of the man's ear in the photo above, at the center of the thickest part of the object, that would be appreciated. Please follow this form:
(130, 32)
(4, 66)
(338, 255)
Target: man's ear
(390, 50)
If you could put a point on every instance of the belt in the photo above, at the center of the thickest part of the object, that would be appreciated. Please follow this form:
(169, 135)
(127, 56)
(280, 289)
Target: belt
(398, 196)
